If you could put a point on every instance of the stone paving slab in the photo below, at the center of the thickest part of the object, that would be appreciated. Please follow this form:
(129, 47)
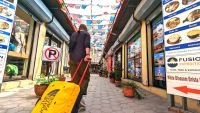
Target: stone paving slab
(103, 97)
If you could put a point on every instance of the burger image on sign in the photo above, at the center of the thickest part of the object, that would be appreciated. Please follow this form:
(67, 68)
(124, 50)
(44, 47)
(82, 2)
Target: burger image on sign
(172, 62)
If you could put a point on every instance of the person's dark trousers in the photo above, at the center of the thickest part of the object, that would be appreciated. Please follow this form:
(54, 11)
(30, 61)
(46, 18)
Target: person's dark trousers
(77, 103)
(76, 80)
(79, 74)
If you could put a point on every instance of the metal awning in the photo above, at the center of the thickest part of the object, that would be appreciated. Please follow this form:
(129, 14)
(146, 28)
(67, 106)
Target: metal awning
(55, 7)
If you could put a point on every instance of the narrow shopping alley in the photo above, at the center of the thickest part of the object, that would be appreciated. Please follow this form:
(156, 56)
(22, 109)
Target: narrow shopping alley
(102, 97)
(128, 56)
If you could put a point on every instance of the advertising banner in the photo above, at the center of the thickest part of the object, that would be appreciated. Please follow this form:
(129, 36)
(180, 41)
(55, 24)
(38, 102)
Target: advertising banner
(7, 13)
(182, 44)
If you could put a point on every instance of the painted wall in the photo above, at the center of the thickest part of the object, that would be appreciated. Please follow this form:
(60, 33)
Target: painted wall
(109, 64)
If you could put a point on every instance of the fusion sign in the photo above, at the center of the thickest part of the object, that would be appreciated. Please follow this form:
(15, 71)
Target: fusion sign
(182, 44)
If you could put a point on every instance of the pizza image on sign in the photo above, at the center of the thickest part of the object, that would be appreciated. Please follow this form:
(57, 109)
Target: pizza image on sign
(51, 53)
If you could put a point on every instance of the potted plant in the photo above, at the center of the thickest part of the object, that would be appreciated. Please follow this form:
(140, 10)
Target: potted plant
(118, 74)
(117, 78)
(42, 82)
(112, 77)
(105, 73)
(129, 89)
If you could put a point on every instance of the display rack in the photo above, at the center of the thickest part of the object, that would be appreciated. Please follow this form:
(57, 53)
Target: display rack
(17, 55)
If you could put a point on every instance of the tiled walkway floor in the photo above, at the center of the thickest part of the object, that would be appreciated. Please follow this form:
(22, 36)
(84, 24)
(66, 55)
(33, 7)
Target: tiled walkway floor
(103, 97)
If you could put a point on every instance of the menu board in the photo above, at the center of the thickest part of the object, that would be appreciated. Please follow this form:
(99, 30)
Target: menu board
(182, 45)
(7, 12)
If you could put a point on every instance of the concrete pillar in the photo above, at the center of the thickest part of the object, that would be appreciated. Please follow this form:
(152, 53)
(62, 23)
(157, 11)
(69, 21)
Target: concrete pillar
(144, 54)
(150, 52)
(41, 39)
(125, 61)
(34, 51)
(63, 57)
(29, 47)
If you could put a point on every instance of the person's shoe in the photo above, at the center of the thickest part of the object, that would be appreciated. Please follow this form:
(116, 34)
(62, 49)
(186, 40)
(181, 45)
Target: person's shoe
(81, 108)
(82, 103)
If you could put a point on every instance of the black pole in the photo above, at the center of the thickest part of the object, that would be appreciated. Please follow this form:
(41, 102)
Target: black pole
(184, 102)
(171, 100)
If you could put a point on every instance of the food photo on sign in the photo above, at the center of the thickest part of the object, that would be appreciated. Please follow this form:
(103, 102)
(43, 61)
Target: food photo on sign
(187, 2)
(174, 39)
(5, 11)
(172, 6)
(186, 36)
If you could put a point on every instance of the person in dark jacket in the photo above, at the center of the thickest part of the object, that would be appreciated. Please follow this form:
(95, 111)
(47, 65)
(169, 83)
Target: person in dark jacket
(79, 49)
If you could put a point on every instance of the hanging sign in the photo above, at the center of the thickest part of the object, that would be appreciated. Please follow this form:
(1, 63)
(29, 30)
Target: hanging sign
(7, 14)
(182, 44)
(51, 53)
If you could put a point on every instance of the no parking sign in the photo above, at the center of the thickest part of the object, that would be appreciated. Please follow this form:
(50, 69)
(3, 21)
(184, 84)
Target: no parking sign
(51, 53)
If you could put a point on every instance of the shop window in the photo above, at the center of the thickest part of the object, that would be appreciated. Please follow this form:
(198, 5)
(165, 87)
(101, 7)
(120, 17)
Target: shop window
(134, 58)
(17, 55)
(159, 75)
(118, 59)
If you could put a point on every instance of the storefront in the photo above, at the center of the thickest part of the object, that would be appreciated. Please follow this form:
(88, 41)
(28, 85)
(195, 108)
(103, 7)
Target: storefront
(134, 58)
(144, 52)
(19, 47)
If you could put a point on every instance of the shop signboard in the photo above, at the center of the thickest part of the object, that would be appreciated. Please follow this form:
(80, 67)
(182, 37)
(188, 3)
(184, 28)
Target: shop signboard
(182, 44)
(51, 53)
(7, 13)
